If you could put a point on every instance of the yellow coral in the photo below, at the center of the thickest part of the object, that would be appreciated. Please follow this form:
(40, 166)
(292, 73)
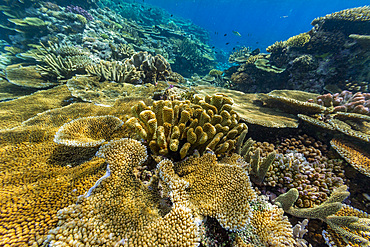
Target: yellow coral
(218, 190)
(180, 126)
(119, 210)
(359, 159)
(87, 131)
(298, 40)
(272, 227)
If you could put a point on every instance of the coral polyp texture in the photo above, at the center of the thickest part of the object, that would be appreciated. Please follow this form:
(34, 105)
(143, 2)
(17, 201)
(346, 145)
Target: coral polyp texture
(346, 101)
(358, 229)
(139, 68)
(314, 181)
(349, 225)
(217, 189)
(120, 210)
(182, 126)
(87, 131)
(358, 158)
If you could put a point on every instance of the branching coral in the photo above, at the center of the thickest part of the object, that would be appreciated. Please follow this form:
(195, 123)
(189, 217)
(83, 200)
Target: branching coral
(62, 62)
(140, 68)
(115, 71)
(182, 126)
(352, 226)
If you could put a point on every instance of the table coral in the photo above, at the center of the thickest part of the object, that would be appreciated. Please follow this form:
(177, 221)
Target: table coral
(209, 123)
(219, 190)
(87, 131)
(16, 111)
(358, 158)
(32, 191)
(119, 210)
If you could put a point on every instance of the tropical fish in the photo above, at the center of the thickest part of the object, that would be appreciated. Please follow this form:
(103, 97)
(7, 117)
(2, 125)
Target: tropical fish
(237, 33)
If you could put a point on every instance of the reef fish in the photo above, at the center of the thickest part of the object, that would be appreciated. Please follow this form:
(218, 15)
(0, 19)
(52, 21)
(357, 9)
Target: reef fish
(237, 33)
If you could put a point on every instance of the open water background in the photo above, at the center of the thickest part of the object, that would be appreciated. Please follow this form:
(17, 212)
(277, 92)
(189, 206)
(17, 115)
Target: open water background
(260, 22)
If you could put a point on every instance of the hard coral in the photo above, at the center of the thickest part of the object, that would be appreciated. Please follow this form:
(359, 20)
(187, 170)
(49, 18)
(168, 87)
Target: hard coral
(119, 210)
(87, 131)
(358, 158)
(220, 190)
(182, 126)
(346, 101)
(79, 10)
(347, 223)
(314, 181)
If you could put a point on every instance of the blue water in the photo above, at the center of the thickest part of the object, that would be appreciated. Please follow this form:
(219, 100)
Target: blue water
(260, 22)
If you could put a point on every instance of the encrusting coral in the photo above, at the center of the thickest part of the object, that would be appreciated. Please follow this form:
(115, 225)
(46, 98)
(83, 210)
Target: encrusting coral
(208, 123)
(352, 226)
(119, 210)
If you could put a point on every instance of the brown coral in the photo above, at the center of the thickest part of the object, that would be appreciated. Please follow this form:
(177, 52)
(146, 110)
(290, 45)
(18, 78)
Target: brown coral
(182, 126)
(87, 131)
(358, 158)
(219, 190)
(119, 210)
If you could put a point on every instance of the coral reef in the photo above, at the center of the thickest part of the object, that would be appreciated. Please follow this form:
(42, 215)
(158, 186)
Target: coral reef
(89, 89)
(87, 131)
(268, 227)
(349, 224)
(240, 56)
(61, 61)
(23, 108)
(26, 76)
(220, 190)
(182, 127)
(140, 68)
(314, 181)
(135, 220)
(346, 101)
(358, 158)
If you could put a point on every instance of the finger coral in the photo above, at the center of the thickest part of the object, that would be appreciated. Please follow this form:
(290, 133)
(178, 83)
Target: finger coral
(87, 131)
(180, 126)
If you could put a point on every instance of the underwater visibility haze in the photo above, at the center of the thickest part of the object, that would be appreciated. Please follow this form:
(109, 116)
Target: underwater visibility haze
(185, 123)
